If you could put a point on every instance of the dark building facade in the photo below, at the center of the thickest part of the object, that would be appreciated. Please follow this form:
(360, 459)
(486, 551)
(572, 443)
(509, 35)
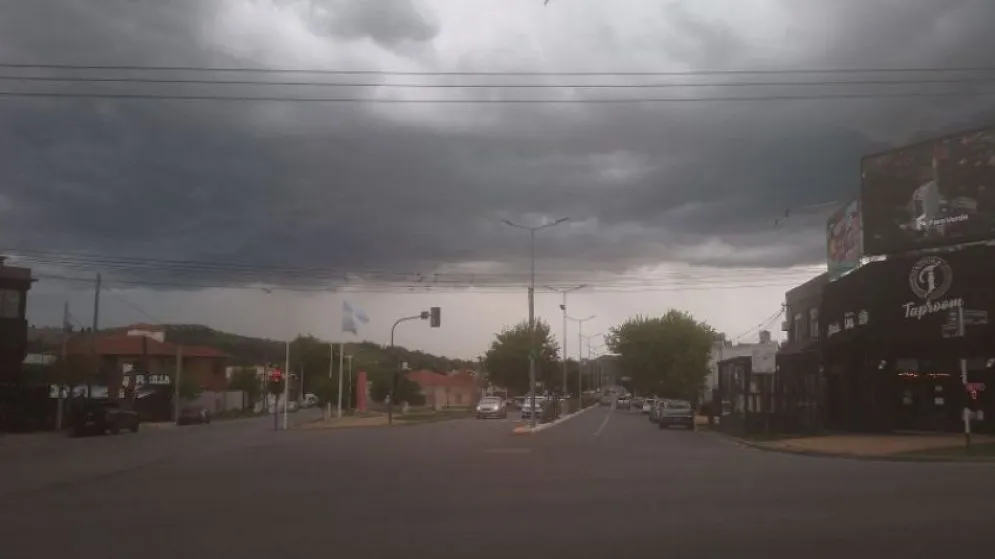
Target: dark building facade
(798, 381)
(14, 286)
(893, 334)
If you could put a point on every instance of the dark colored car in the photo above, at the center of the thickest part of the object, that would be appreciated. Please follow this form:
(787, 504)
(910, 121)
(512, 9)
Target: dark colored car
(676, 412)
(194, 415)
(97, 417)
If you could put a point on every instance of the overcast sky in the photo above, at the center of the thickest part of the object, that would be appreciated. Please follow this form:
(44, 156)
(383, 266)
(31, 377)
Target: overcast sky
(671, 204)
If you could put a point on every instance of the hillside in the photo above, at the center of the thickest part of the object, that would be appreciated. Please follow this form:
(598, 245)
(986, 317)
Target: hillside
(306, 351)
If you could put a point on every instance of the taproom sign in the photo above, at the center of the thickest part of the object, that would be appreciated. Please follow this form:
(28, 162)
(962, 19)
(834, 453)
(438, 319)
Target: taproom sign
(930, 279)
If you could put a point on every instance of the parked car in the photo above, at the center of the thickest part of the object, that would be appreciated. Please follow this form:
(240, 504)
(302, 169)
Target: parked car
(648, 404)
(98, 417)
(527, 410)
(492, 407)
(194, 415)
(657, 410)
(310, 400)
(677, 412)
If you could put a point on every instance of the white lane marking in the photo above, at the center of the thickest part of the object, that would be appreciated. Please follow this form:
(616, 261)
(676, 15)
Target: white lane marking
(605, 422)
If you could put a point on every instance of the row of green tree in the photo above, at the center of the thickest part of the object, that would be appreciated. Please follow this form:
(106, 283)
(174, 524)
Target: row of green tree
(664, 355)
(318, 363)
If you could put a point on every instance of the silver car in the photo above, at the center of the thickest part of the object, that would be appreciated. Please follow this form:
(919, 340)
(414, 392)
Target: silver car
(676, 412)
(492, 407)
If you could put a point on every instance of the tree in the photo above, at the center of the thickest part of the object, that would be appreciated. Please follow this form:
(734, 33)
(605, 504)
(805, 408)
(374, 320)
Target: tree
(245, 380)
(666, 356)
(507, 360)
(406, 390)
(189, 387)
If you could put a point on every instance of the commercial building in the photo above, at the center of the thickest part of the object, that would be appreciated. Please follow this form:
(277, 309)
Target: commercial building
(896, 335)
(14, 286)
(798, 384)
(15, 395)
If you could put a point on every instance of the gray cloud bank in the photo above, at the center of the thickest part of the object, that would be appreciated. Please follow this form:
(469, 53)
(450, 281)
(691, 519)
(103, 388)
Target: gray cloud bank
(356, 187)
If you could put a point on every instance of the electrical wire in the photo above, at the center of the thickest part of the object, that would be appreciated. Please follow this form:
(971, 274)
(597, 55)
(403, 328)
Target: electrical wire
(517, 101)
(205, 81)
(398, 289)
(350, 72)
(244, 270)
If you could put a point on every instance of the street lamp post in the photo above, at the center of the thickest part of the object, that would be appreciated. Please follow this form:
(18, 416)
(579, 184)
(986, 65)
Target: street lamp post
(580, 348)
(588, 338)
(532, 289)
(563, 307)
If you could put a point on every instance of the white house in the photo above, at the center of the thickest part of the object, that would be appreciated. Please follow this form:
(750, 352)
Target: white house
(762, 354)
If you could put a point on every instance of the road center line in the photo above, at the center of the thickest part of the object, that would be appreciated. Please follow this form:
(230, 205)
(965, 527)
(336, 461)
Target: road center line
(605, 422)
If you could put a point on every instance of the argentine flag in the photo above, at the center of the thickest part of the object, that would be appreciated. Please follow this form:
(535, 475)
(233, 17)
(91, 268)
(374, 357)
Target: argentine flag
(352, 317)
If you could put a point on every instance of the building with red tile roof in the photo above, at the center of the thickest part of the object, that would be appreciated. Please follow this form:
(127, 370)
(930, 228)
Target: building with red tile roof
(124, 354)
(458, 389)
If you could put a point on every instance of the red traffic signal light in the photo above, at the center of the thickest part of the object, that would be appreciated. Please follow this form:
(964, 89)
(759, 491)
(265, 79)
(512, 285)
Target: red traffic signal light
(275, 375)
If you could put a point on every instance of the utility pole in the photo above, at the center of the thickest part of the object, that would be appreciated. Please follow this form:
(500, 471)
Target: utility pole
(93, 337)
(532, 288)
(580, 350)
(176, 384)
(286, 386)
(64, 377)
(563, 307)
(145, 367)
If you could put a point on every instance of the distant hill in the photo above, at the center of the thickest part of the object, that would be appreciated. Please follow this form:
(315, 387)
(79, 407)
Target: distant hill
(248, 350)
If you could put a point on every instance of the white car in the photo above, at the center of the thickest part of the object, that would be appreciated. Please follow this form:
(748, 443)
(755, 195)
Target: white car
(527, 406)
(648, 404)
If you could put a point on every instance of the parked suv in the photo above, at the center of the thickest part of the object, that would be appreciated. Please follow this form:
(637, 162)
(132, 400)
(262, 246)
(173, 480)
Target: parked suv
(98, 417)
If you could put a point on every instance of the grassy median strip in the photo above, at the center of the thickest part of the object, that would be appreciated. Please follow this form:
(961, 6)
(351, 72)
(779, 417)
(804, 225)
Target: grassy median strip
(378, 419)
(976, 451)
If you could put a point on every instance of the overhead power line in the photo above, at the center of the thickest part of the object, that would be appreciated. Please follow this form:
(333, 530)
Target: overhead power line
(410, 85)
(398, 289)
(231, 272)
(587, 101)
(351, 72)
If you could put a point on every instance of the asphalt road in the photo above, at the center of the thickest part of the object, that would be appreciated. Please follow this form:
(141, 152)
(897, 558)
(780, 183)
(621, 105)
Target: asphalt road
(600, 485)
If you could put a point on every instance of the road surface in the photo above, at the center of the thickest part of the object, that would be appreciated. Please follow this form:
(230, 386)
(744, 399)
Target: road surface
(601, 485)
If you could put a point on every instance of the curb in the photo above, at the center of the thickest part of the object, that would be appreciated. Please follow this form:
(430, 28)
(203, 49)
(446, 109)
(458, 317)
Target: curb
(526, 430)
(849, 455)
(158, 426)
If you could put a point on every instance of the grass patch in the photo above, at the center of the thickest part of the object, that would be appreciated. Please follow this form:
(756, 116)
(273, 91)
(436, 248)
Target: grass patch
(983, 450)
(771, 437)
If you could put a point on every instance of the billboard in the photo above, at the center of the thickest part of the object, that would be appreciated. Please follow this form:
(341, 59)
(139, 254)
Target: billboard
(844, 239)
(932, 194)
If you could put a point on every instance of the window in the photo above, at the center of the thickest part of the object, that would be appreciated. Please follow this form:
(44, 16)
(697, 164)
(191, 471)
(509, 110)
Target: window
(797, 325)
(10, 303)
(813, 322)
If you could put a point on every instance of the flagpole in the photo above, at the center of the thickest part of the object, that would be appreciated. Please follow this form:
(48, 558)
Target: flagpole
(341, 366)
(331, 368)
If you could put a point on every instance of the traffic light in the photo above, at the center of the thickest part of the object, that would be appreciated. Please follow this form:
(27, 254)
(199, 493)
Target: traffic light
(435, 319)
(276, 381)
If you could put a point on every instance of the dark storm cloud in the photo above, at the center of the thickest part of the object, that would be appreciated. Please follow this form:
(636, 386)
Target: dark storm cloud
(354, 187)
(388, 22)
